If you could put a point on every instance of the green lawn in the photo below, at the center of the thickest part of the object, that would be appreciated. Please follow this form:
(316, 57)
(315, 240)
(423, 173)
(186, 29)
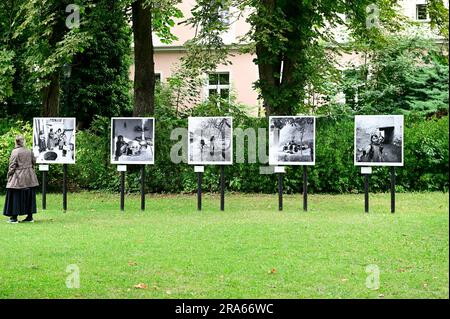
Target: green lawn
(249, 251)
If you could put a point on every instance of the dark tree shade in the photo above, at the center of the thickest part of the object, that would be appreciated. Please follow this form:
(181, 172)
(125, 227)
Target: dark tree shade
(99, 81)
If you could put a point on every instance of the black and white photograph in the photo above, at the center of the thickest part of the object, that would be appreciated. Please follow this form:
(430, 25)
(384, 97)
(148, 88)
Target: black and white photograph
(292, 140)
(133, 141)
(210, 140)
(379, 140)
(54, 140)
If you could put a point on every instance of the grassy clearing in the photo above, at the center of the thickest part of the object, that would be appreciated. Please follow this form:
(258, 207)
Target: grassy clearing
(249, 251)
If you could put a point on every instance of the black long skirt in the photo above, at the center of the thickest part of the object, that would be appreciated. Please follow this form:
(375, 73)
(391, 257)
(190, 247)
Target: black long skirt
(20, 202)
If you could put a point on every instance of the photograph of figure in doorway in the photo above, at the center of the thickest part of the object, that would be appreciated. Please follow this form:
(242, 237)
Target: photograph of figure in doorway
(379, 140)
(132, 141)
(54, 140)
(210, 140)
(292, 140)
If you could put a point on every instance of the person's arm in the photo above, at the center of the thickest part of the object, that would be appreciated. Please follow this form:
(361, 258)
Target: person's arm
(12, 164)
(33, 159)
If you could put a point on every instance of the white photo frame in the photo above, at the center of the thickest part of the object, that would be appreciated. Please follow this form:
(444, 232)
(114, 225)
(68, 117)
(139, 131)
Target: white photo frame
(54, 140)
(210, 140)
(292, 140)
(379, 140)
(136, 136)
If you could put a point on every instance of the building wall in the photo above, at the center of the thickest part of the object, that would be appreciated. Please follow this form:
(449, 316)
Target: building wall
(243, 73)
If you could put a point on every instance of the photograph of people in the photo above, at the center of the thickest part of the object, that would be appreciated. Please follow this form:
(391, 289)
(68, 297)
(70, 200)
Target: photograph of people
(132, 140)
(210, 140)
(379, 140)
(54, 140)
(292, 140)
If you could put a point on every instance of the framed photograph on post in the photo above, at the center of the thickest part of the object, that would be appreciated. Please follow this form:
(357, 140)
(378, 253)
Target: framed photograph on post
(54, 140)
(292, 140)
(132, 141)
(378, 140)
(210, 141)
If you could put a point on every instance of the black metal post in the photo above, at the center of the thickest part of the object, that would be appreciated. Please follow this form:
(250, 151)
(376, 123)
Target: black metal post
(143, 187)
(366, 193)
(44, 190)
(392, 190)
(122, 191)
(280, 191)
(199, 191)
(222, 188)
(305, 188)
(65, 187)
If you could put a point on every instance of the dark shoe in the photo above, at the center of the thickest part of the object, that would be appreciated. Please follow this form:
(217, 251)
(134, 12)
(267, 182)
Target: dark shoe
(13, 221)
(27, 220)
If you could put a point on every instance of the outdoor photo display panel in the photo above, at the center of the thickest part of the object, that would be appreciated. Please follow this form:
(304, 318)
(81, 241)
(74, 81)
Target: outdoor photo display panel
(292, 140)
(133, 141)
(210, 140)
(379, 140)
(54, 140)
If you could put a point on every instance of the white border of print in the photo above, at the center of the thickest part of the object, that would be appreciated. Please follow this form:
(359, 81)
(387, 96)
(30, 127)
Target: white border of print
(230, 162)
(277, 163)
(111, 138)
(379, 163)
(70, 162)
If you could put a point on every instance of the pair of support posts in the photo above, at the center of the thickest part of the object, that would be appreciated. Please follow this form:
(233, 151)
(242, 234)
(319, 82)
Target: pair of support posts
(366, 172)
(280, 170)
(122, 169)
(44, 169)
(199, 170)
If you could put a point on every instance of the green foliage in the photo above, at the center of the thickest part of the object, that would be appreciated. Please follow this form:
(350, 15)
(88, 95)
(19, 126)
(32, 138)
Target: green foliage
(288, 39)
(404, 75)
(163, 15)
(439, 16)
(427, 147)
(17, 94)
(6, 73)
(99, 81)
(184, 88)
(50, 44)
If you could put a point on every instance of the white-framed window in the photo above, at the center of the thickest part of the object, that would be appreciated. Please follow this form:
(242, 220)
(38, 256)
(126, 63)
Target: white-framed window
(421, 12)
(219, 85)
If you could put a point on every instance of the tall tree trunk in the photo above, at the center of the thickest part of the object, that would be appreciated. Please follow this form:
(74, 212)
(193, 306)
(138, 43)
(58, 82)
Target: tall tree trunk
(50, 97)
(144, 70)
(51, 93)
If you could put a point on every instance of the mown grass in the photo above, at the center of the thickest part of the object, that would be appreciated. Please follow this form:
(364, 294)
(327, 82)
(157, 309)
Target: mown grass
(249, 251)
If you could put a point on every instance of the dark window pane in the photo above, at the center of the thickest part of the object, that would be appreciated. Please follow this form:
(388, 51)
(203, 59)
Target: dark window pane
(422, 12)
(225, 94)
(224, 78)
(213, 79)
(157, 77)
(212, 92)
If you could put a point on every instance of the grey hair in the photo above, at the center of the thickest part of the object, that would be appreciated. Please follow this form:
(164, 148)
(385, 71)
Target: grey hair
(20, 141)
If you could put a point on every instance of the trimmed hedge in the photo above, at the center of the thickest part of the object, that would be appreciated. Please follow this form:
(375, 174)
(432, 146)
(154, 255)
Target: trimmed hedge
(426, 161)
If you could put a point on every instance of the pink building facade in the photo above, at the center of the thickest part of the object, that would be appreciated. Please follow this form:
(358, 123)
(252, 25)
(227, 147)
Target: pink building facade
(236, 78)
